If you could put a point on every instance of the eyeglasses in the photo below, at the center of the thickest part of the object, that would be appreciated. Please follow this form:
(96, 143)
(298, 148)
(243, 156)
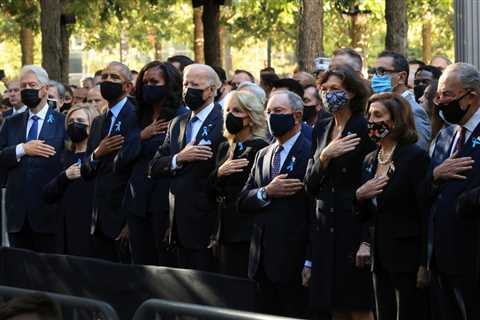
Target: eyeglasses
(380, 71)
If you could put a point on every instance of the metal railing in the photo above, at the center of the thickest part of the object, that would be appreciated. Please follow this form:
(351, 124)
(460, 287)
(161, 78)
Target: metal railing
(157, 309)
(98, 309)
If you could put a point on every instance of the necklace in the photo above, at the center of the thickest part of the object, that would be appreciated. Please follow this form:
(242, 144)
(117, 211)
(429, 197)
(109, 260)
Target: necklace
(385, 160)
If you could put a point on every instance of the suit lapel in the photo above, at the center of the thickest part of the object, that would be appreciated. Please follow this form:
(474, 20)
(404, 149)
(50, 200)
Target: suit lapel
(291, 159)
(324, 135)
(22, 135)
(48, 127)
(119, 123)
(472, 144)
(267, 160)
(443, 145)
(182, 127)
(208, 126)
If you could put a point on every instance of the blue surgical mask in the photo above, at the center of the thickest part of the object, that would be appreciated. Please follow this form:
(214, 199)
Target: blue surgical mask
(381, 84)
(334, 100)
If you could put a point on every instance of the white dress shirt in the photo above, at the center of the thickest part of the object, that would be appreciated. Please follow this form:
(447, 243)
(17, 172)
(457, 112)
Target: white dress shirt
(202, 116)
(42, 114)
(20, 110)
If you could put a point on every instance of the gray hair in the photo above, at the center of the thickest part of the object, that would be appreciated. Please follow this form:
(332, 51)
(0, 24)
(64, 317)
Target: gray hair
(38, 71)
(213, 79)
(60, 87)
(123, 69)
(467, 74)
(255, 89)
(294, 100)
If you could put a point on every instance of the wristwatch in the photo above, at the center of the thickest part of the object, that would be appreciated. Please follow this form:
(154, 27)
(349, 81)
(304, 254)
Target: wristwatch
(263, 194)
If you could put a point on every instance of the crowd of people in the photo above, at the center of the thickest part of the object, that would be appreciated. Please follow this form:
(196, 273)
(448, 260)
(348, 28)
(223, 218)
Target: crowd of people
(343, 196)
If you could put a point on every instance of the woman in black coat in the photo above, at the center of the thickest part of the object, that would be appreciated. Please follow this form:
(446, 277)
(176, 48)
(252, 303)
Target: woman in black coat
(245, 130)
(391, 194)
(73, 195)
(339, 287)
(158, 96)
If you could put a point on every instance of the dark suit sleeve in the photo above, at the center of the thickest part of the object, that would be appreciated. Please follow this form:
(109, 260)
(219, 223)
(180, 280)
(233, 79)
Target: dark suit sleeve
(88, 168)
(314, 176)
(8, 158)
(216, 184)
(161, 164)
(468, 203)
(131, 148)
(55, 189)
(248, 200)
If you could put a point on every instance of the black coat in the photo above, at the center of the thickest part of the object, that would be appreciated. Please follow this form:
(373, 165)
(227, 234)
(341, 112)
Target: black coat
(27, 177)
(234, 226)
(454, 237)
(74, 199)
(192, 216)
(399, 212)
(335, 234)
(280, 228)
(111, 172)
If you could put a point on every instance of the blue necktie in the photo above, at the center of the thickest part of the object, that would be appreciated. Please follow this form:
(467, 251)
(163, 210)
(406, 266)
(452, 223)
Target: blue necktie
(33, 132)
(188, 135)
(276, 163)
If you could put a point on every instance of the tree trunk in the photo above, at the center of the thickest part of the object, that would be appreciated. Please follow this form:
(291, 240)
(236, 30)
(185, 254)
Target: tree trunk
(310, 34)
(27, 44)
(65, 42)
(427, 38)
(397, 26)
(158, 49)
(51, 11)
(198, 35)
(358, 33)
(211, 27)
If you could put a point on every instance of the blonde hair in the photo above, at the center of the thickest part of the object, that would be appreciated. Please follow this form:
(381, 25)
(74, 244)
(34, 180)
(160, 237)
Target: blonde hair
(91, 113)
(249, 103)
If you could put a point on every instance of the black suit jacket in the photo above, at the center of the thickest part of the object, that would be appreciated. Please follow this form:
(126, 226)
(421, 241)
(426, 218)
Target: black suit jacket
(192, 216)
(111, 173)
(27, 177)
(400, 211)
(453, 237)
(280, 228)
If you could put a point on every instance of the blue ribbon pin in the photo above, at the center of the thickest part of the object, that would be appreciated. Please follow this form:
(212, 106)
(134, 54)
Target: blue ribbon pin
(370, 168)
(204, 131)
(240, 146)
(291, 164)
(117, 126)
(475, 142)
(50, 119)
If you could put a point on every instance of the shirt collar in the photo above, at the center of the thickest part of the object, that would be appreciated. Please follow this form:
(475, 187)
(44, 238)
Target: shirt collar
(287, 145)
(202, 115)
(115, 110)
(42, 114)
(20, 110)
(473, 122)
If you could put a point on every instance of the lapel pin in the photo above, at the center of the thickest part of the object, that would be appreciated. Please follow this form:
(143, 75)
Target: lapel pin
(204, 131)
(475, 141)
(240, 146)
(50, 118)
(291, 164)
(370, 168)
(118, 125)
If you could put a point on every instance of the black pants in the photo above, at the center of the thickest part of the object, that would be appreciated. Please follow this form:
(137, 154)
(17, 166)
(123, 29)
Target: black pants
(459, 297)
(109, 249)
(234, 259)
(195, 259)
(28, 239)
(144, 240)
(397, 297)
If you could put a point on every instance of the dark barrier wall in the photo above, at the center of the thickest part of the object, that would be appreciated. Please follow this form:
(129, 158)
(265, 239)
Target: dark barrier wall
(125, 287)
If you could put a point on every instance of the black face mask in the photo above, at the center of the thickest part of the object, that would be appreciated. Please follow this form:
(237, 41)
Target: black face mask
(154, 94)
(77, 132)
(218, 95)
(111, 91)
(279, 124)
(233, 123)
(30, 97)
(193, 98)
(452, 112)
(66, 107)
(419, 90)
(377, 131)
(309, 112)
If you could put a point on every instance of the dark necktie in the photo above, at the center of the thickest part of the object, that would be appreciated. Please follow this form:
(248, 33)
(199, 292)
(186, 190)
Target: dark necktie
(276, 163)
(108, 123)
(188, 135)
(33, 132)
(460, 141)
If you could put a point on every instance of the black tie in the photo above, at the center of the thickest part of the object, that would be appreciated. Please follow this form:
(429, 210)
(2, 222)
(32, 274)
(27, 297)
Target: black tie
(108, 123)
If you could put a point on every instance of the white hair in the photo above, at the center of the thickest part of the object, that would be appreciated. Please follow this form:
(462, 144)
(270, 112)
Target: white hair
(39, 72)
(467, 74)
(294, 100)
(213, 79)
(255, 89)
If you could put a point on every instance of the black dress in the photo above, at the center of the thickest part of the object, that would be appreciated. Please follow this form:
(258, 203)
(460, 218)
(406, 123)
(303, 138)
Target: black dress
(336, 284)
(74, 199)
(234, 228)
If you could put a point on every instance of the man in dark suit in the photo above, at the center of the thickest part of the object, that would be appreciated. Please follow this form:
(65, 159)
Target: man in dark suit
(274, 193)
(13, 94)
(31, 144)
(188, 156)
(453, 240)
(113, 144)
